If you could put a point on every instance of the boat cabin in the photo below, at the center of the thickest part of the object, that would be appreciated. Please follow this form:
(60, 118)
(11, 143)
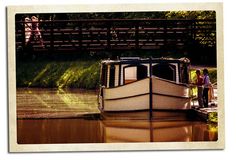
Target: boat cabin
(126, 70)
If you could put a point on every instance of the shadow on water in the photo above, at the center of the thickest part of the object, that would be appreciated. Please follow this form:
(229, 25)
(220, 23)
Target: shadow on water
(67, 121)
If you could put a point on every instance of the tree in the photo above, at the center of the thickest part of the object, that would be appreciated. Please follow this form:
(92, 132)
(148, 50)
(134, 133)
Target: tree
(190, 15)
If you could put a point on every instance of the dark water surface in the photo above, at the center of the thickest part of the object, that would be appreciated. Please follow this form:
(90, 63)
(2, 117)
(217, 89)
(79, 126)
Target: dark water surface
(71, 116)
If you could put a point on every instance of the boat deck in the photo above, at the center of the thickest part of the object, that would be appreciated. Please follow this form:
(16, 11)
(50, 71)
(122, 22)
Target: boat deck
(207, 114)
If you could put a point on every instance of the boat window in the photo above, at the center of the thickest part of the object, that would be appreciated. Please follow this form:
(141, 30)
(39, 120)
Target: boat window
(134, 73)
(104, 75)
(112, 76)
(184, 73)
(141, 72)
(165, 71)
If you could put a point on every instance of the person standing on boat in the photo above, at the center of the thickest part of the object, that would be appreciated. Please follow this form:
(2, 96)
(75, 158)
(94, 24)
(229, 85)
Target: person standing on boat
(206, 85)
(199, 83)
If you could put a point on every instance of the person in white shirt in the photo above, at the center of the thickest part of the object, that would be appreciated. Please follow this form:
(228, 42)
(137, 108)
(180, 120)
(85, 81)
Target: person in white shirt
(35, 30)
(206, 85)
(32, 32)
(28, 28)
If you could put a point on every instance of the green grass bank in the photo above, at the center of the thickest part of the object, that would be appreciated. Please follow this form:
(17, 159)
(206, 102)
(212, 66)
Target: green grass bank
(68, 74)
(62, 74)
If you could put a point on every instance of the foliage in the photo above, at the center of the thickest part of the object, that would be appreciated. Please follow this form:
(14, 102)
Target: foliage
(212, 117)
(124, 15)
(80, 74)
(213, 75)
(190, 15)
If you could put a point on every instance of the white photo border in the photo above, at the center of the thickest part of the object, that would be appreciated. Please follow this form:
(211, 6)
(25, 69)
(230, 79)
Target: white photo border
(15, 147)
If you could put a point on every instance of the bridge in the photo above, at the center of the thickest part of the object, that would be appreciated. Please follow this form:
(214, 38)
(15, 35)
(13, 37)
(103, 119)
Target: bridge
(96, 35)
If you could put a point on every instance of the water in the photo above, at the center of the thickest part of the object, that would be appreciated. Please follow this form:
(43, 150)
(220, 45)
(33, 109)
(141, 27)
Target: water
(71, 116)
(52, 103)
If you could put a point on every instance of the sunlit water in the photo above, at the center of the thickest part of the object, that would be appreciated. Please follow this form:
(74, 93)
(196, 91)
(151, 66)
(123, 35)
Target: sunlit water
(52, 103)
(71, 116)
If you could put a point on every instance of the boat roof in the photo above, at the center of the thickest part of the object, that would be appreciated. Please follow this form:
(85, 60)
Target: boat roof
(137, 60)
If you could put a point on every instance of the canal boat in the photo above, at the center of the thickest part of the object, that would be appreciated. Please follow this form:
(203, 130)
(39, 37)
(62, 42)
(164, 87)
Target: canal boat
(136, 84)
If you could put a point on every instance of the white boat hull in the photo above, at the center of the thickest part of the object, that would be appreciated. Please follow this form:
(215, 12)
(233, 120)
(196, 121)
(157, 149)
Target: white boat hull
(136, 96)
(170, 95)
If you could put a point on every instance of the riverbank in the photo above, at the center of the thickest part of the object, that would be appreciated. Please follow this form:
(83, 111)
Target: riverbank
(70, 74)
(58, 74)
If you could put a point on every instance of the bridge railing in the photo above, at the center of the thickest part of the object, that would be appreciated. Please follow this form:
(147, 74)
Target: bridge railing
(119, 34)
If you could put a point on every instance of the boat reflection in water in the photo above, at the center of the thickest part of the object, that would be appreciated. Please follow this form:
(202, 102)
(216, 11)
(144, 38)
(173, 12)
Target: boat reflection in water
(90, 130)
(156, 131)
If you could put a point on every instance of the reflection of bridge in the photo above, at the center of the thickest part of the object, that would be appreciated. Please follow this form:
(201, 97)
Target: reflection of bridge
(121, 34)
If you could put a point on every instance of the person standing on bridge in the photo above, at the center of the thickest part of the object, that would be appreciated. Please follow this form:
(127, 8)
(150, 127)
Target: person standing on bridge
(36, 34)
(206, 85)
(32, 31)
